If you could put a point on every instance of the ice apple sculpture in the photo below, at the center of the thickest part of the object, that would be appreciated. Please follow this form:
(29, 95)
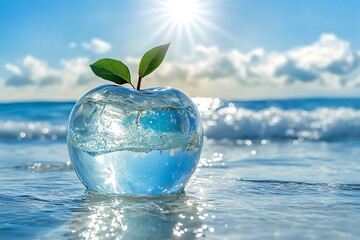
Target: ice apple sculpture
(139, 142)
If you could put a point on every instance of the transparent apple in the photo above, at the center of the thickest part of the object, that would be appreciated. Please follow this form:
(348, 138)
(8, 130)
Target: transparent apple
(123, 141)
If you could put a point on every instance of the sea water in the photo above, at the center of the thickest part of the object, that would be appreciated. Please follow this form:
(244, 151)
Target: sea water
(284, 169)
(156, 172)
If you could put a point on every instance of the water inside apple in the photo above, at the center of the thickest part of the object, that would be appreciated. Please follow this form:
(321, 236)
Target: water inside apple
(123, 141)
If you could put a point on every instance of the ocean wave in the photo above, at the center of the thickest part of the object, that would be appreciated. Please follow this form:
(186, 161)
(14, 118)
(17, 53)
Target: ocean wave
(42, 167)
(32, 130)
(230, 122)
(320, 124)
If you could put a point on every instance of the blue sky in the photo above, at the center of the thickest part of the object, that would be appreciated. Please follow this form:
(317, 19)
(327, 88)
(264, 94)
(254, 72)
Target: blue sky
(249, 49)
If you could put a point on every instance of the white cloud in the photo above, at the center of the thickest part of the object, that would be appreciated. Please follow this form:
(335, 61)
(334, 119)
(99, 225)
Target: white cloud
(97, 46)
(39, 81)
(13, 69)
(37, 72)
(328, 62)
(327, 58)
(327, 67)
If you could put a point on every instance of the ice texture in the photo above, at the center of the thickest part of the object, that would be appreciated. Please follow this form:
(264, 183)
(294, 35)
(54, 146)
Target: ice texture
(123, 141)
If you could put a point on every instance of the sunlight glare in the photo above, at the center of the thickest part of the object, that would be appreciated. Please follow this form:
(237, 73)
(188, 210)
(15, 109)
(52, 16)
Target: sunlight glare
(185, 23)
(182, 11)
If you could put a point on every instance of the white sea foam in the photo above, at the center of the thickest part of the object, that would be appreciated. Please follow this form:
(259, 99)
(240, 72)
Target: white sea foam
(275, 123)
(231, 122)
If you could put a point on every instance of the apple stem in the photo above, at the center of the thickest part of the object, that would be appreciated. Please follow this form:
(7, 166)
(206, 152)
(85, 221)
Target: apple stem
(132, 86)
(139, 83)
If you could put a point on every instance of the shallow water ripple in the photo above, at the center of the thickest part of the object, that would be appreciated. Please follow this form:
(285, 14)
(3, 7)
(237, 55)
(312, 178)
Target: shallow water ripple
(241, 190)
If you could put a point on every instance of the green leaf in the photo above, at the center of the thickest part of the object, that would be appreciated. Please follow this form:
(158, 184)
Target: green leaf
(112, 70)
(152, 59)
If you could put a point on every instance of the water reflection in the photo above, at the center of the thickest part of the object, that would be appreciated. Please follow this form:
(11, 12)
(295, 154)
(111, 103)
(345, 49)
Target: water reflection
(110, 217)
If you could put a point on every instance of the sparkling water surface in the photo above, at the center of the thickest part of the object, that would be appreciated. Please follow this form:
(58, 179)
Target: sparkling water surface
(279, 186)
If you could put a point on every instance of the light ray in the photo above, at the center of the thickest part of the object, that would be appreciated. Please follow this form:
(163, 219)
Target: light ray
(183, 22)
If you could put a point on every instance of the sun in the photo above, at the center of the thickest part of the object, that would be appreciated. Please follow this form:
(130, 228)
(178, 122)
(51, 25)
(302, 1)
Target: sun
(183, 22)
(182, 11)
